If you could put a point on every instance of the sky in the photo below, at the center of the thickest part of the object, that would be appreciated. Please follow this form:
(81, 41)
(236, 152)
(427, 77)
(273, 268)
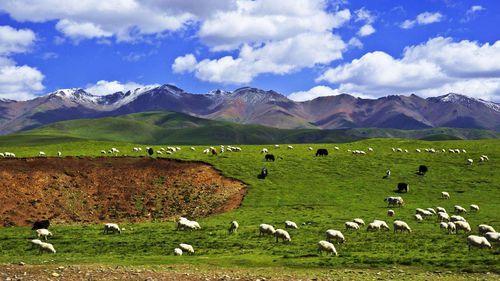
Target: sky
(300, 48)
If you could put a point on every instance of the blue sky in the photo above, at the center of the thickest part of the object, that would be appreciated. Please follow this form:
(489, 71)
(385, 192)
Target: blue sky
(302, 48)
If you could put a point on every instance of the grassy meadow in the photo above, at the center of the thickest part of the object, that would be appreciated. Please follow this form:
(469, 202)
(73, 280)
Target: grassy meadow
(318, 193)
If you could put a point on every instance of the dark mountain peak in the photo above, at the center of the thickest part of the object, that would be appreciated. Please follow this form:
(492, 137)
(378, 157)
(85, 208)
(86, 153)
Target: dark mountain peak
(171, 88)
(255, 95)
(6, 100)
(464, 101)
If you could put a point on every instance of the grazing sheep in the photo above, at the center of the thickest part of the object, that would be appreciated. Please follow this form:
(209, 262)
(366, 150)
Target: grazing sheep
(443, 217)
(459, 209)
(373, 227)
(485, 157)
(290, 147)
(325, 246)
(431, 210)
(474, 208)
(477, 241)
(443, 225)
(401, 226)
(351, 225)
(103, 152)
(452, 228)
(291, 224)
(264, 150)
(43, 233)
(483, 228)
(336, 148)
(492, 236)
(418, 217)
(418, 150)
(266, 229)
(382, 224)
(185, 224)
(282, 234)
(370, 149)
(46, 247)
(334, 235)
(186, 247)
(359, 221)
(59, 154)
(177, 252)
(276, 146)
(455, 218)
(192, 148)
(470, 161)
(111, 227)
(35, 242)
(310, 148)
(462, 225)
(233, 227)
(391, 213)
(441, 209)
(394, 201)
(41, 154)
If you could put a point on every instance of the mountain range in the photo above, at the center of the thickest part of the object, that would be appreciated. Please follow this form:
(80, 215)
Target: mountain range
(255, 106)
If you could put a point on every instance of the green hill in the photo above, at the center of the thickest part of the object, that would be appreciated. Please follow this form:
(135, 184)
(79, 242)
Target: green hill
(178, 128)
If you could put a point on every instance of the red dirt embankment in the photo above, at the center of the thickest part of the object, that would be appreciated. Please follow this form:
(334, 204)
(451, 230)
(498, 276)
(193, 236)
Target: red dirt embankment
(95, 189)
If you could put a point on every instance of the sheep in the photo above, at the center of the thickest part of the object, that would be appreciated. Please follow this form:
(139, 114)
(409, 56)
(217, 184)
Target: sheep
(282, 234)
(59, 154)
(441, 210)
(370, 149)
(459, 209)
(418, 150)
(445, 195)
(310, 148)
(351, 225)
(185, 224)
(452, 228)
(394, 201)
(443, 217)
(177, 252)
(336, 148)
(391, 213)
(470, 161)
(477, 241)
(46, 247)
(401, 226)
(485, 157)
(463, 225)
(382, 224)
(264, 151)
(41, 154)
(35, 242)
(399, 149)
(474, 208)
(336, 235)
(266, 229)
(291, 224)
(359, 221)
(455, 218)
(418, 217)
(186, 247)
(373, 226)
(325, 246)
(276, 146)
(43, 233)
(443, 225)
(103, 152)
(483, 228)
(492, 236)
(111, 227)
(431, 210)
(233, 227)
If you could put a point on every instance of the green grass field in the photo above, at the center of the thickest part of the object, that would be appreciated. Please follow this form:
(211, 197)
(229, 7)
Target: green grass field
(324, 192)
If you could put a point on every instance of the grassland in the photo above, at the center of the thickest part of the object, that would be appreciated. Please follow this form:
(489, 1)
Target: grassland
(321, 192)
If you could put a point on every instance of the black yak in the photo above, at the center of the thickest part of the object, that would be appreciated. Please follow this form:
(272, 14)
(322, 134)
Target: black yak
(263, 174)
(422, 169)
(43, 224)
(322, 152)
(270, 157)
(403, 187)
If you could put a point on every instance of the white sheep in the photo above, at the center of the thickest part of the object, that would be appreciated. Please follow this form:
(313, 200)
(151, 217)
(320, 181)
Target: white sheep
(431, 210)
(373, 226)
(186, 247)
(474, 208)
(291, 224)
(43, 233)
(418, 217)
(111, 227)
(370, 149)
(443, 225)
(443, 216)
(485, 157)
(455, 218)
(276, 146)
(492, 236)
(483, 228)
(418, 150)
(266, 229)
(185, 224)
(336, 148)
(445, 195)
(401, 226)
(470, 161)
(325, 246)
(41, 154)
(441, 209)
(233, 227)
(290, 147)
(46, 247)
(310, 148)
(459, 209)
(336, 235)
(282, 234)
(477, 241)
(59, 154)
(264, 150)
(391, 213)
(452, 228)
(359, 221)
(177, 252)
(462, 225)
(394, 201)
(382, 224)
(351, 225)
(36, 242)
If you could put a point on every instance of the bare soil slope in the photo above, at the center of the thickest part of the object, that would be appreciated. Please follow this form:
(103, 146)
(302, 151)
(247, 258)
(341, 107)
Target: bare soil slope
(97, 189)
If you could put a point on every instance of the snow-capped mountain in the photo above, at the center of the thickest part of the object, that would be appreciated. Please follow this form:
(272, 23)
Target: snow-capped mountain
(256, 106)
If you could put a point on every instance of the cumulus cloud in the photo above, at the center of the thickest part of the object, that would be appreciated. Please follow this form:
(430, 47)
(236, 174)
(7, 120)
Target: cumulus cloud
(422, 19)
(104, 87)
(15, 40)
(315, 92)
(366, 30)
(437, 66)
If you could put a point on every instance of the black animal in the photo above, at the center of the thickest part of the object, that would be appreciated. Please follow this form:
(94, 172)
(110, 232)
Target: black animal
(269, 157)
(263, 174)
(43, 224)
(403, 187)
(322, 152)
(422, 169)
(387, 174)
(150, 151)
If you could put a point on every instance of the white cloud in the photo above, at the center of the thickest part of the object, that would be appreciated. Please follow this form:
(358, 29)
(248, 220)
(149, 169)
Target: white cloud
(422, 19)
(366, 30)
(18, 82)
(472, 12)
(15, 40)
(437, 66)
(364, 15)
(81, 30)
(355, 43)
(104, 87)
(277, 57)
(315, 92)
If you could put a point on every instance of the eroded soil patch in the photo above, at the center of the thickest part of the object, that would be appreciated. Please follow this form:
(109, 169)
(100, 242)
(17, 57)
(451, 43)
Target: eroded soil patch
(86, 190)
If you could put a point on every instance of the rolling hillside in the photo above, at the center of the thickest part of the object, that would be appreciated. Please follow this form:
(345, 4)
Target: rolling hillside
(178, 128)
